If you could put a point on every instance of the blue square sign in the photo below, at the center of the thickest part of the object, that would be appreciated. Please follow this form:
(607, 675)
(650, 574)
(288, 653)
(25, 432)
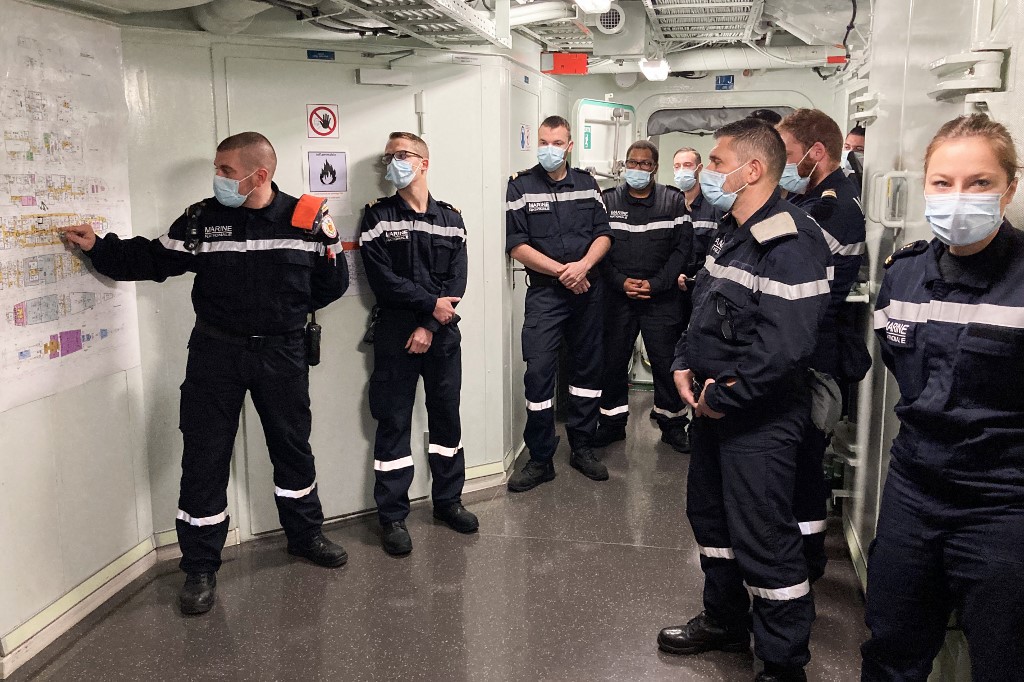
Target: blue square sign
(725, 82)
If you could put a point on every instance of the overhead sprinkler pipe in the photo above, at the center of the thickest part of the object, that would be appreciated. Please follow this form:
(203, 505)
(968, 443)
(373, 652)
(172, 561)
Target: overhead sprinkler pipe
(735, 59)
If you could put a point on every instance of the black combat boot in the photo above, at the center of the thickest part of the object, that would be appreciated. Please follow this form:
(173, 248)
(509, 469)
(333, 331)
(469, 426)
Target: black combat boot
(395, 538)
(457, 518)
(583, 460)
(531, 476)
(198, 593)
(702, 634)
(320, 551)
(677, 437)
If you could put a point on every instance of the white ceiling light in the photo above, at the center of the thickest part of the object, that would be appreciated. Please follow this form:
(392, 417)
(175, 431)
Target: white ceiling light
(654, 69)
(594, 6)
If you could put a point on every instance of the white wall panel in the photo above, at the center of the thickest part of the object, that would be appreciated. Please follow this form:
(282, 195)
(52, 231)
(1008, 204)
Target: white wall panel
(30, 530)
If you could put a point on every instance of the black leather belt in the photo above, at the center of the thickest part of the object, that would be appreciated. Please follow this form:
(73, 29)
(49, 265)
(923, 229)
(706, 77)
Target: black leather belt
(537, 279)
(251, 343)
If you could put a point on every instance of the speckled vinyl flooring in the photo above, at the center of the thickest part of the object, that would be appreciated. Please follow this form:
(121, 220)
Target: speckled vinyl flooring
(569, 581)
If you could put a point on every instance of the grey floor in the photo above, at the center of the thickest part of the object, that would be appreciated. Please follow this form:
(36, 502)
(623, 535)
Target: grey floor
(570, 581)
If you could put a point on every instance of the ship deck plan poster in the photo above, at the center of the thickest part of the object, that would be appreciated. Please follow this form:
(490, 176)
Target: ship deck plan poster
(63, 161)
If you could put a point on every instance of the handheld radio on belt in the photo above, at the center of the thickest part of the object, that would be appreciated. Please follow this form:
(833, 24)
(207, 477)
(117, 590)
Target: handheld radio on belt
(312, 339)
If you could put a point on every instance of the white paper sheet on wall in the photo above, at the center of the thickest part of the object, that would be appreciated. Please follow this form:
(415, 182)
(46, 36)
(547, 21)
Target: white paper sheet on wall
(63, 161)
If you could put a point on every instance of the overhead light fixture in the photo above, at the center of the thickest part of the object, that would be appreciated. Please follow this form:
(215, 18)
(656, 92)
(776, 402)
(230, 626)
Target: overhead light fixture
(594, 6)
(654, 69)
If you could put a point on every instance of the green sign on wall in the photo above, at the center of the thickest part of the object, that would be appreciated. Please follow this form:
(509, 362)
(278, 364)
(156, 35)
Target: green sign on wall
(587, 139)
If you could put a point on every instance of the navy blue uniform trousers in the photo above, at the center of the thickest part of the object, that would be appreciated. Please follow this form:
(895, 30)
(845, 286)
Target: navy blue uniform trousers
(551, 313)
(937, 550)
(740, 505)
(396, 372)
(217, 376)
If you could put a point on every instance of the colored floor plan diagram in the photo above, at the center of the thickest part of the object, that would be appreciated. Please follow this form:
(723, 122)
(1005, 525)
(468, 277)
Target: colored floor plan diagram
(62, 162)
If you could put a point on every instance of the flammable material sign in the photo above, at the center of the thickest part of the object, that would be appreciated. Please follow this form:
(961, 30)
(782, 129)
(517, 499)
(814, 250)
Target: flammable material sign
(328, 172)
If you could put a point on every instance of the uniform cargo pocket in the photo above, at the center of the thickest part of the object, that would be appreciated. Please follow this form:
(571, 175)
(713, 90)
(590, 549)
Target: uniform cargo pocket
(443, 251)
(988, 361)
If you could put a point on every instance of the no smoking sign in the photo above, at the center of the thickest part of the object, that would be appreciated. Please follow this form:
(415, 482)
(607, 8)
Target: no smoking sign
(321, 121)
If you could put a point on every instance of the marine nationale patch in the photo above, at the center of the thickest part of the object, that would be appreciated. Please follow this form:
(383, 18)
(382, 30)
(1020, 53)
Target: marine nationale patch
(538, 207)
(396, 235)
(618, 215)
(900, 333)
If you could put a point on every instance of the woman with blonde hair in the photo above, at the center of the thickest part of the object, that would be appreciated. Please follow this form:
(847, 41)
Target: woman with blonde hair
(950, 320)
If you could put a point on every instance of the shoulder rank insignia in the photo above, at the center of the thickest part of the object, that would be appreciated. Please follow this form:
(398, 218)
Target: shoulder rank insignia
(449, 207)
(909, 249)
(830, 193)
(778, 225)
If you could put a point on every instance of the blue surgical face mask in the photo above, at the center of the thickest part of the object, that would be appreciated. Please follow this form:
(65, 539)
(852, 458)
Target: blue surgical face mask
(637, 179)
(962, 219)
(685, 179)
(550, 157)
(791, 180)
(400, 173)
(226, 190)
(712, 185)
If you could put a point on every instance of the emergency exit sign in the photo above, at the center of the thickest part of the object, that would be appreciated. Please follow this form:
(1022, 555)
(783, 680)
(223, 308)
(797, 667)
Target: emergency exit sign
(588, 140)
(725, 82)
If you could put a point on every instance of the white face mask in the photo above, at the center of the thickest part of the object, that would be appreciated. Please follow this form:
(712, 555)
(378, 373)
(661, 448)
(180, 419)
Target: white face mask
(962, 219)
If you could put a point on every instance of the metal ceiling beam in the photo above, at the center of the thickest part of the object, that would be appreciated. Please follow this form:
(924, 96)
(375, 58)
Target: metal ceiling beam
(362, 11)
(473, 20)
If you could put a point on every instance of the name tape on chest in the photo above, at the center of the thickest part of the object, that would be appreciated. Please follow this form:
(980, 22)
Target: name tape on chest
(538, 207)
(716, 248)
(619, 215)
(213, 231)
(396, 235)
(900, 333)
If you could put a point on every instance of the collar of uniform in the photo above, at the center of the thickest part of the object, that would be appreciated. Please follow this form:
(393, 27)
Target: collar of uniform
(697, 201)
(277, 209)
(766, 209)
(982, 269)
(567, 181)
(645, 201)
(432, 207)
(830, 181)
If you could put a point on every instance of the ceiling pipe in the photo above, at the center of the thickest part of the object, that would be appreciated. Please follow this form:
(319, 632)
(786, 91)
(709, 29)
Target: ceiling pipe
(537, 12)
(133, 6)
(225, 17)
(732, 59)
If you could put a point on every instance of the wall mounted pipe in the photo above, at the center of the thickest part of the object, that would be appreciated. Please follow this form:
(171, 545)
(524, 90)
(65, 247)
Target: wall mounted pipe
(733, 59)
(225, 17)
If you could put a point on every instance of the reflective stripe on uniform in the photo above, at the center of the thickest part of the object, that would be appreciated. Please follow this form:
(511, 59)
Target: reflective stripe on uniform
(839, 249)
(281, 492)
(585, 392)
(671, 415)
(621, 409)
(782, 593)
(241, 247)
(414, 225)
(648, 227)
(790, 292)
(444, 451)
(537, 407)
(202, 521)
(577, 195)
(953, 313)
(812, 527)
(401, 463)
(717, 552)
(704, 226)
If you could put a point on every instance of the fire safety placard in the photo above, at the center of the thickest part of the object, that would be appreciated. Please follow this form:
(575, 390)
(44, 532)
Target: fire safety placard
(322, 121)
(328, 172)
